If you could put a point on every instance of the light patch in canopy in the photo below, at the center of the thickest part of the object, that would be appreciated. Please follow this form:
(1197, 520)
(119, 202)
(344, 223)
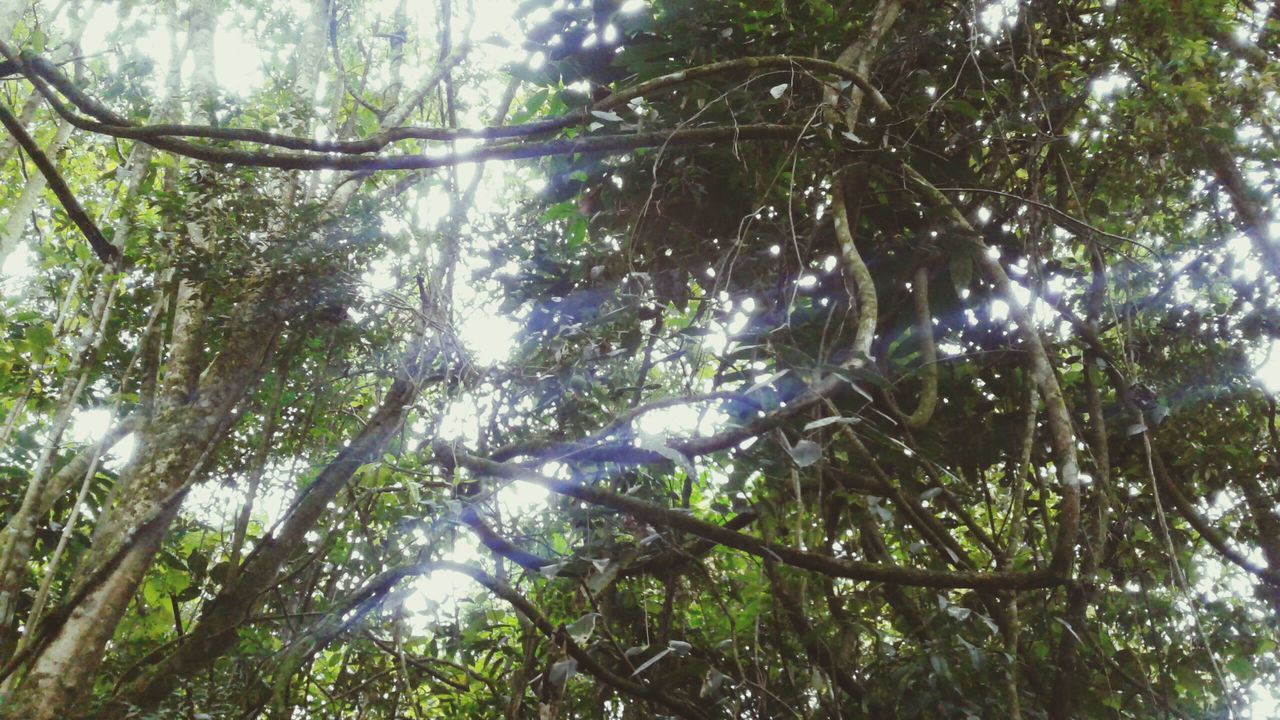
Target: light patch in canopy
(1104, 87)
(1264, 703)
(522, 497)
(681, 420)
(239, 61)
(435, 596)
(996, 16)
(121, 454)
(218, 502)
(489, 336)
(89, 425)
(1268, 371)
(719, 337)
(381, 275)
(17, 271)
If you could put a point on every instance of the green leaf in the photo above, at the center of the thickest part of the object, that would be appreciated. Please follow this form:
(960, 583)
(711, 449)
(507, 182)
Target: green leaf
(805, 453)
(580, 630)
(531, 106)
(39, 339)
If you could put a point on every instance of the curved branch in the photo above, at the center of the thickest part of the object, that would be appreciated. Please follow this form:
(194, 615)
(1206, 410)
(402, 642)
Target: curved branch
(1170, 488)
(1067, 221)
(110, 123)
(359, 603)
(865, 286)
(929, 371)
(1061, 433)
(105, 251)
(779, 62)
(500, 545)
(822, 564)
(418, 161)
(622, 451)
(585, 659)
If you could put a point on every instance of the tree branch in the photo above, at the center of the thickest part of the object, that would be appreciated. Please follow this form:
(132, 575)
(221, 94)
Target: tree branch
(105, 251)
(655, 515)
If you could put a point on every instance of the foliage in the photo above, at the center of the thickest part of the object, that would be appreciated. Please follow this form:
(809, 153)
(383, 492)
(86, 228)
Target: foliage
(778, 358)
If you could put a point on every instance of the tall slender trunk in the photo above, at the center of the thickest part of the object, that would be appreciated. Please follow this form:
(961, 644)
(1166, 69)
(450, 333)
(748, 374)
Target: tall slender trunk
(46, 485)
(68, 647)
(17, 538)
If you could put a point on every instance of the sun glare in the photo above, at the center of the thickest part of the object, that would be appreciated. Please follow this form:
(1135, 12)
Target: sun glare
(89, 425)
(17, 270)
(240, 59)
(489, 336)
(1268, 372)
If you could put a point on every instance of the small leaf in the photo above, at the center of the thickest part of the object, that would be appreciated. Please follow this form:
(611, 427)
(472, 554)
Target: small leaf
(991, 624)
(39, 337)
(767, 381)
(562, 671)
(1241, 666)
(532, 106)
(940, 667)
(931, 493)
(608, 115)
(606, 573)
(777, 90)
(1136, 429)
(1159, 414)
(806, 453)
(858, 389)
(712, 682)
(648, 663)
(831, 421)
(580, 630)
(1070, 629)
(656, 445)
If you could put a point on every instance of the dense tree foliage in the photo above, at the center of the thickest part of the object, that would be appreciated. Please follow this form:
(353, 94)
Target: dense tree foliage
(680, 358)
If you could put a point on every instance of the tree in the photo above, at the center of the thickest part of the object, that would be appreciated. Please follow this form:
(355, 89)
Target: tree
(701, 359)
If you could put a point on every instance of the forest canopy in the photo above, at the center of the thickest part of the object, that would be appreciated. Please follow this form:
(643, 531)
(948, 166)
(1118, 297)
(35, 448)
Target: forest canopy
(660, 358)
